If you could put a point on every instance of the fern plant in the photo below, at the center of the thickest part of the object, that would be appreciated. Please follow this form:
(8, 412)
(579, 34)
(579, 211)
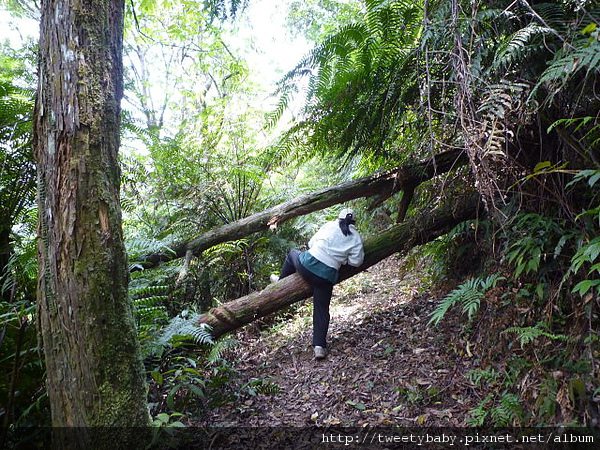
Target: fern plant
(468, 295)
(507, 412)
(185, 326)
(499, 101)
(478, 414)
(263, 386)
(479, 377)
(218, 349)
(500, 410)
(360, 79)
(582, 56)
(526, 335)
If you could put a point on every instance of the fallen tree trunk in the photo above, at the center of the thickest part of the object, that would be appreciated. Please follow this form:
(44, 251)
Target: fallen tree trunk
(399, 238)
(383, 185)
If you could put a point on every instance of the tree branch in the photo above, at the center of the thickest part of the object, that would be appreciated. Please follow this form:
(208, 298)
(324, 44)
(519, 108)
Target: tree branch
(399, 238)
(383, 184)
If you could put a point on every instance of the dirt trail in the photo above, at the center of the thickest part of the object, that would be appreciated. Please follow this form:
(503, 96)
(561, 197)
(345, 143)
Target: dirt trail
(386, 366)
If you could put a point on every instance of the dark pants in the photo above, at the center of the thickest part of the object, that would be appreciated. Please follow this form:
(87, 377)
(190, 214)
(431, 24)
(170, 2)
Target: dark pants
(321, 290)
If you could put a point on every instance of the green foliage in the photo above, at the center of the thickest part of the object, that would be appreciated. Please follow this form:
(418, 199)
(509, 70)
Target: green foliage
(542, 244)
(210, 173)
(262, 386)
(546, 403)
(520, 46)
(188, 379)
(167, 420)
(224, 9)
(180, 377)
(586, 127)
(482, 377)
(500, 408)
(507, 412)
(21, 392)
(587, 255)
(535, 242)
(318, 18)
(18, 279)
(583, 55)
(150, 312)
(219, 347)
(359, 80)
(183, 380)
(185, 326)
(177, 66)
(499, 102)
(527, 335)
(457, 252)
(468, 295)
(480, 413)
(17, 174)
(22, 395)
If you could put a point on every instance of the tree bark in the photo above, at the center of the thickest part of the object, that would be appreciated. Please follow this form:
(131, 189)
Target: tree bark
(95, 376)
(398, 238)
(383, 185)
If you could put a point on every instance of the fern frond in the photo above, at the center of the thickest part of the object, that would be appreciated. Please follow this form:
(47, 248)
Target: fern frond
(478, 415)
(358, 80)
(498, 101)
(508, 412)
(148, 291)
(444, 306)
(583, 56)
(468, 294)
(480, 376)
(490, 281)
(519, 46)
(216, 352)
(470, 302)
(262, 386)
(526, 335)
(183, 327)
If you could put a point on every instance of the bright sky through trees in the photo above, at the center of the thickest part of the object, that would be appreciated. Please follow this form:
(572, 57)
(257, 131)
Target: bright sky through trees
(275, 51)
(17, 30)
(261, 37)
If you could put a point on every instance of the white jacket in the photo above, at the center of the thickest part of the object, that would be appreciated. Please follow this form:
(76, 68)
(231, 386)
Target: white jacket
(331, 247)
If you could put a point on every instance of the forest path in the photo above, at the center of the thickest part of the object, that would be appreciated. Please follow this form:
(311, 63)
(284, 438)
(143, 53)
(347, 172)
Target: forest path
(386, 365)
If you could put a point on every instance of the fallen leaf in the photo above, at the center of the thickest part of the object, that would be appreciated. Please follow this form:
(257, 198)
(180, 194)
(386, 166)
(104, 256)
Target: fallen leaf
(422, 419)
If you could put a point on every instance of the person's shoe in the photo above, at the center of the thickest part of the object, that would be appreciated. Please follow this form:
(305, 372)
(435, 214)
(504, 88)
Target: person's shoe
(274, 278)
(320, 352)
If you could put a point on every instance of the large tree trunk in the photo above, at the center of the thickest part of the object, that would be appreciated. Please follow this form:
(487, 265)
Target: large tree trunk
(95, 376)
(399, 238)
(382, 185)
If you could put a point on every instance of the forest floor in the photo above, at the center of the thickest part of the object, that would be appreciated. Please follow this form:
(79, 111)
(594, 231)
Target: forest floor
(386, 365)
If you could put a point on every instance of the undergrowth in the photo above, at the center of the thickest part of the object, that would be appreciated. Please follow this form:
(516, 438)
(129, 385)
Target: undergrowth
(531, 318)
(188, 373)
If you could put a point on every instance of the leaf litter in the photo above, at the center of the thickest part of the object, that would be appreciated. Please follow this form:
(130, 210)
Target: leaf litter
(386, 366)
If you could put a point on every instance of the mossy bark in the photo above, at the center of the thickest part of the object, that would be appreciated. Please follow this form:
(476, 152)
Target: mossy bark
(95, 376)
(398, 238)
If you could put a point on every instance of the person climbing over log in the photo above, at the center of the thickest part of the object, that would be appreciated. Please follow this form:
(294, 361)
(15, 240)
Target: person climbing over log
(335, 244)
